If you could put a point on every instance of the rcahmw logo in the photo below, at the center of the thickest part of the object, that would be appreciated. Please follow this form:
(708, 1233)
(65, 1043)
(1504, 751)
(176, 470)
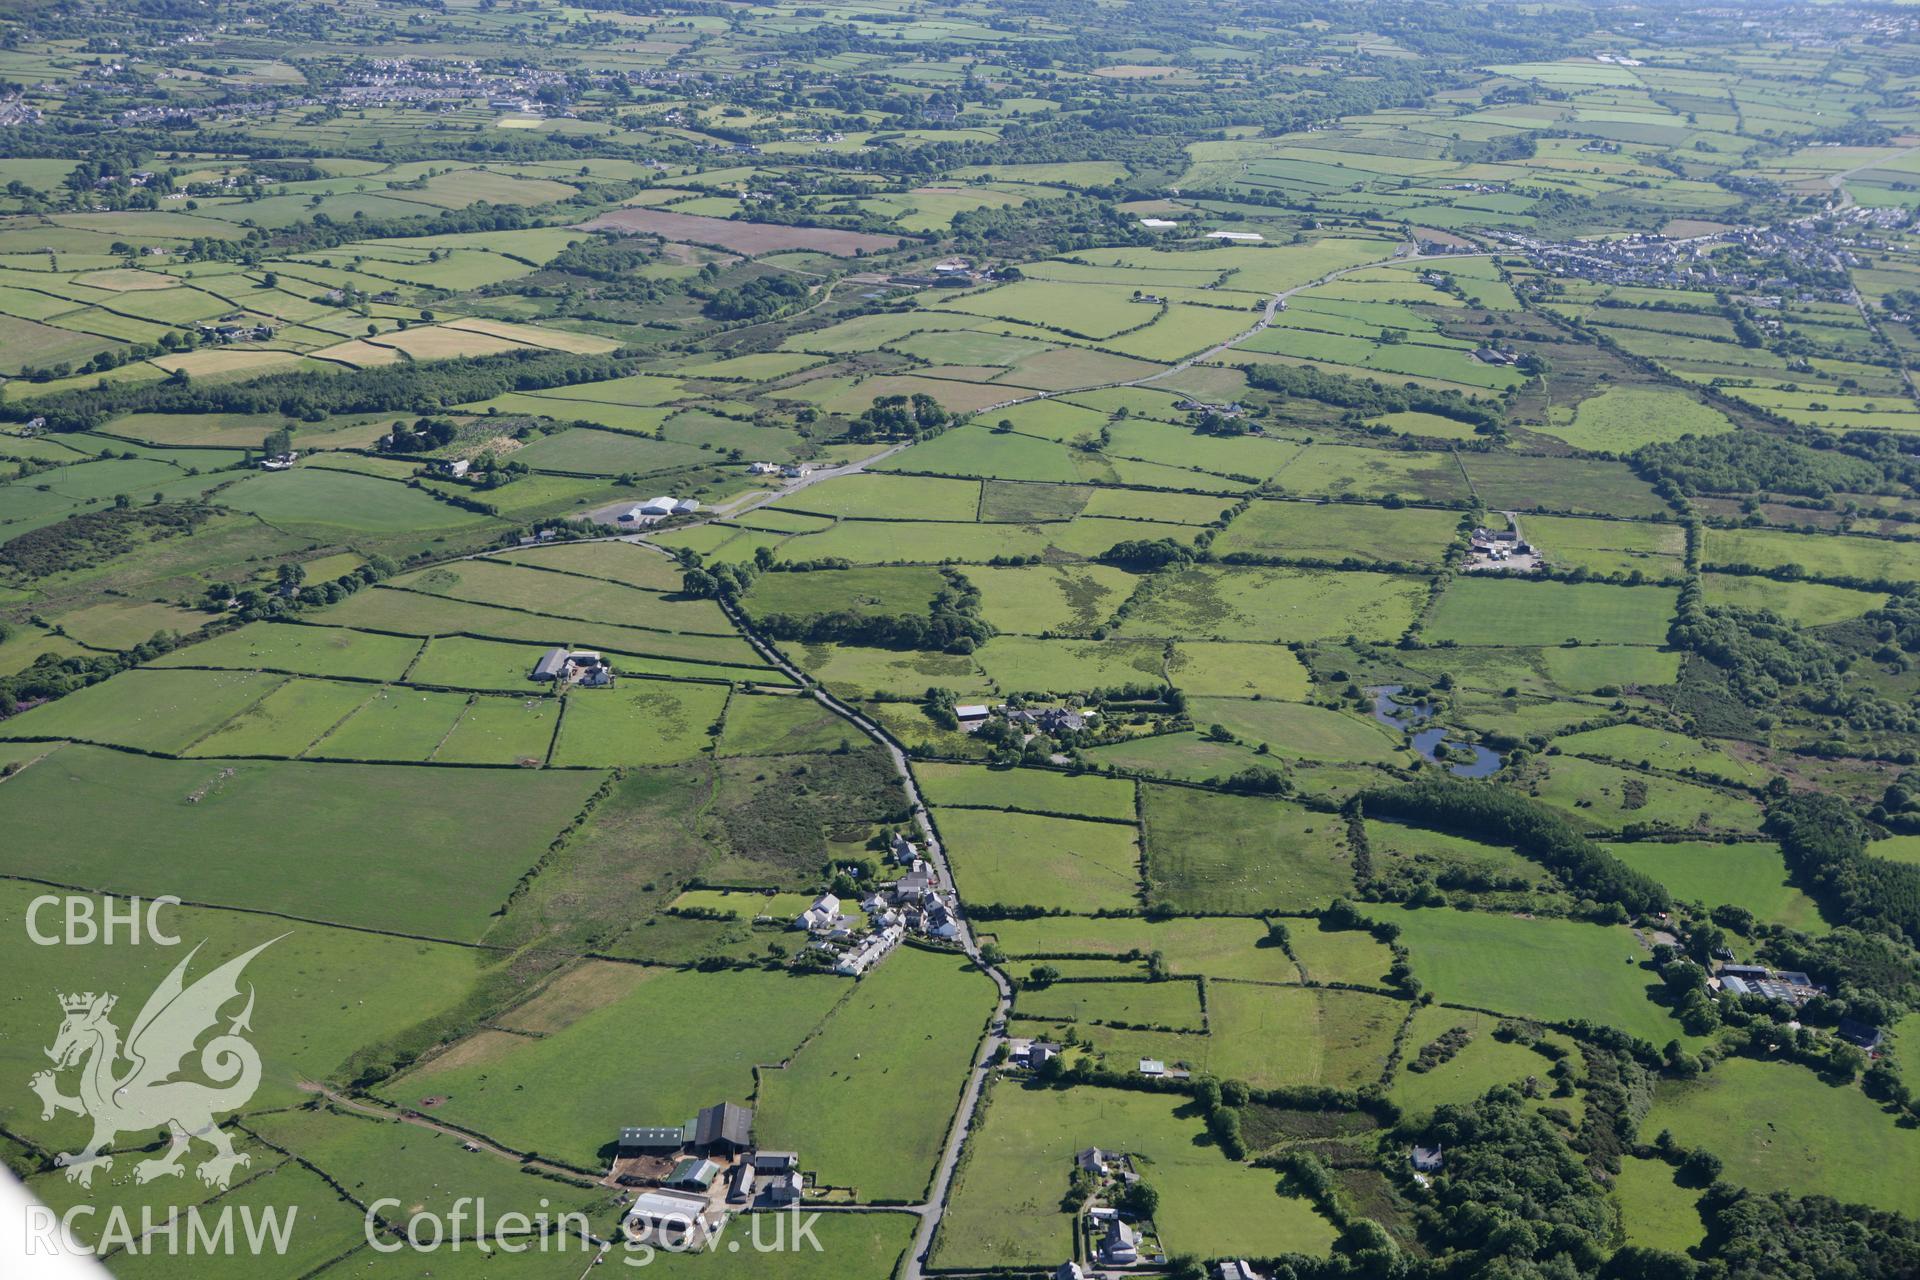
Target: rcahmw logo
(159, 1045)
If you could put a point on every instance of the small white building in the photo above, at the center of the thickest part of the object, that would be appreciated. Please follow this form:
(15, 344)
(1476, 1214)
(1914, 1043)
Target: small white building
(1237, 237)
(456, 467)
(763, 469)
(796, 471)
(1121, 1247)
(1158, 224)
(279, 462)
(971, 713)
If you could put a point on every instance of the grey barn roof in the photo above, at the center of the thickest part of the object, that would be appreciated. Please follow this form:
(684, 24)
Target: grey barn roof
(723, 1122)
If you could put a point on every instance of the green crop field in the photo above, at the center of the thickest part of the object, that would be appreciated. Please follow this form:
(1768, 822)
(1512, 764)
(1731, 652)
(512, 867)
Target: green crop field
(1275, 604)
(204, 819)
(1034, 790)
(307, 651)
(1025, 859)
(1499, 611)
(1240, 854)
(1496, 962)
(1832, 1141)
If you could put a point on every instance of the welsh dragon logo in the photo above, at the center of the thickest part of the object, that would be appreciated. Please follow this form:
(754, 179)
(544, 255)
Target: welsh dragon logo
(145, 1095)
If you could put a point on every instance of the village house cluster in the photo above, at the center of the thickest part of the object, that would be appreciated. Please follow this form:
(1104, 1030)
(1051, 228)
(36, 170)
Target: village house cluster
(913, 903)
(579, 666)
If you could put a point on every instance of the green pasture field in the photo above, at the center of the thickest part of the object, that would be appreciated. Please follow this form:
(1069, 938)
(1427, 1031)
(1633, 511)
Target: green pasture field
(1034, 790)
(461, 662)
(1589, 667)
(340, 501)
(301, 650)
(1335, 470)
(200, 823)
(1340, 531)
(849, 670)
(417, 614)
(1749, 874)
(315, 1007)
(777, 724)
(1425, 425)
(1237, 603)
(875, 592)
(1605, 798)
(1392, 842)
(1479, 610)
(1033, 599)
(1812, 604)
(161, 711)
(1497, 962)
(581, 450)
(1083, 310)
(623, 1061)
(122, 624)
(1272, 1037)
(285, 722)
(1296, 731)
(566, 595)
(974, 450)
(1608, 546)
(1025, 859)
(1219, 947)
(1483, 1063)
(325, 1226)
(1021, 664)
(1621, 419)
(1142, 504)
(1510, 482)
(1186, 756)
(1827, 555)
(1239, 853)
(395, 724)
(1660, 749)
(638, 722)
(624, 562)
(1655, 1211)
(852, 1246)
(1018, 502)
(889, 497)
(1173, 1004)
(1006, 1204)
(1234, 669)
(1830, 1141)
(843, 1086)
(501, 731)
(424, 1169)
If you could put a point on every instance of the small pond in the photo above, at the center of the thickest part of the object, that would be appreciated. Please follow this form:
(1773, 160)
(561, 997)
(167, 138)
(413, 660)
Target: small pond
(1409, 716)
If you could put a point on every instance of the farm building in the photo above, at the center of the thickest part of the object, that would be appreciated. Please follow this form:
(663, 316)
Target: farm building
(654, 1139)
(1121, 1245)
(1235, 1270)
(1240, 237)
(456, 467)
(970, 713)
(694, 1172)
(1427, 1159)
(664, 1215)
(1069, 1271)
(787, 1188)
(552, 666)
(723, 1128)
(775, 1161)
